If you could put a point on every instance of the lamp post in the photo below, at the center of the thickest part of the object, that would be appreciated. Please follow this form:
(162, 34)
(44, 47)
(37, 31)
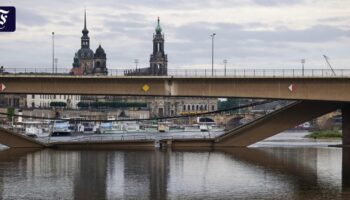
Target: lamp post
(212, 53)
(53, 52)
(225, 63)
(56, 61)
(302, 66)
(136, 61)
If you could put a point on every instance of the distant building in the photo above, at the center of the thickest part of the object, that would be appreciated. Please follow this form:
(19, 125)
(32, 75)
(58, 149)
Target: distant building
(12, 100)
(85, 61)
(171, 106)
(44, 100)
(158, 60)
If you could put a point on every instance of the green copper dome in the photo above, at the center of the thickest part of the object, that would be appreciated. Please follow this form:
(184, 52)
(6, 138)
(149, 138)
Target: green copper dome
(158, 28)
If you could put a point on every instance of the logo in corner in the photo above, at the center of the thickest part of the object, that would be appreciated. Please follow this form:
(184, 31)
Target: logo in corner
(7, 19)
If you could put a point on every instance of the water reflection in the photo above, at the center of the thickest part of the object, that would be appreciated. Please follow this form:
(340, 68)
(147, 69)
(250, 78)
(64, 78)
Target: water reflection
(247, 173)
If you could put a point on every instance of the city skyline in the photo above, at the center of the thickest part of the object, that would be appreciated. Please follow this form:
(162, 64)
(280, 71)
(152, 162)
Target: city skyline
(256, 33)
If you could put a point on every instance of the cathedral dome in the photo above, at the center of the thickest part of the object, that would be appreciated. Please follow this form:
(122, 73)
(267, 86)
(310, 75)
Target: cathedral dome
(85, 53)
(100, 53)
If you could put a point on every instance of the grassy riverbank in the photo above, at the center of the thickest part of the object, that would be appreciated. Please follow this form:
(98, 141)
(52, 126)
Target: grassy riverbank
(324, 134)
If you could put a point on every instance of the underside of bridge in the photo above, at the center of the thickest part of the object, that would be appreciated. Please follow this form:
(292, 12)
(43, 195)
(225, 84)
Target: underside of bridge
(250, 133)
(278, 121)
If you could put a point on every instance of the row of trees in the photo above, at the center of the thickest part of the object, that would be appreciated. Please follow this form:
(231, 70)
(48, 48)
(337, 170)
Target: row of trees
(112, 105)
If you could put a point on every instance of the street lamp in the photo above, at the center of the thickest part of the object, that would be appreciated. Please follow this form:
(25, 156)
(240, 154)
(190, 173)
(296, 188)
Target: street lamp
(53, 52)
(56, 61)
(302, 65)
(225, 62)
(136, 61)
(212, 53)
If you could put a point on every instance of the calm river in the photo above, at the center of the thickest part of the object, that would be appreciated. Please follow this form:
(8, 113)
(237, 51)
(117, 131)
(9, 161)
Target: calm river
(237, 173)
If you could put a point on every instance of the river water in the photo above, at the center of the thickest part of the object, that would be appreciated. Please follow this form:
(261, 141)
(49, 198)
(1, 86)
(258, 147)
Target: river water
(262, 172)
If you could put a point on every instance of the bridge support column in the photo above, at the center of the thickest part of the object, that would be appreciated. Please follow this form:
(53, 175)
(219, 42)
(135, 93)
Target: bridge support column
(346, 124)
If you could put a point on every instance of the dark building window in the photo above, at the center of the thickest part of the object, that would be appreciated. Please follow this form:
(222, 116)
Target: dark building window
(184, 107)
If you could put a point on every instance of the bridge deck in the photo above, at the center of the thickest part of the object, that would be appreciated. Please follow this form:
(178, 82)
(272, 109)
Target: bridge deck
(294, 88)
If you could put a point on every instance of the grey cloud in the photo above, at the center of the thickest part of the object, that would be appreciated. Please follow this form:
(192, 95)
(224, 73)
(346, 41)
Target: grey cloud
(276, 2)
(30, 18)
(226, 32)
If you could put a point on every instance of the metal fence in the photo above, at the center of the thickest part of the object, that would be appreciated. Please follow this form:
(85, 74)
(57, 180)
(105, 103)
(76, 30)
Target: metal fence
(200, 72)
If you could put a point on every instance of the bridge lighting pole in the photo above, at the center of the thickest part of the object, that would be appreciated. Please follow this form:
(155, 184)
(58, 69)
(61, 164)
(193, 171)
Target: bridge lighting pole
(136, 61)
(302, 65)
(56, 61)
(225, 62)
(53, 52)
(212, 53)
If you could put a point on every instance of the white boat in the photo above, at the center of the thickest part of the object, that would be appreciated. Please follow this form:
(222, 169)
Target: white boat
(110, 128)
(205, 127)
(163, 127)
(60, 127)
(36, 128)
(131, 126)
(192, 128)
(118, 127)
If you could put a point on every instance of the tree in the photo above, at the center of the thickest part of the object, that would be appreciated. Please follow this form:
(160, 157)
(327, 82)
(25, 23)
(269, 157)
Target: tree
(58, 104)
(10, 112)
(112, 104)
(229, 103)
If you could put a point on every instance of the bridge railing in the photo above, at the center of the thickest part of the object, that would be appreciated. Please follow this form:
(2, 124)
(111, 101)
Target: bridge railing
(199, 72)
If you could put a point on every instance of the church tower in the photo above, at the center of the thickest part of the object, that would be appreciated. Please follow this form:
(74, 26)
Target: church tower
(85, 54)
(158, 60)
(100, 59)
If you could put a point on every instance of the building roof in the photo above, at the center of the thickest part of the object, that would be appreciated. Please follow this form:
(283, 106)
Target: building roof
(100, 53)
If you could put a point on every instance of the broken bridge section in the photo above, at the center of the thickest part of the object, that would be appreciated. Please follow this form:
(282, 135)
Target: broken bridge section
(16, 140)
(276, 122)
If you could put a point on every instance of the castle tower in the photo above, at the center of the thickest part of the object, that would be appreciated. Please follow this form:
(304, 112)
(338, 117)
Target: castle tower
(158, 60)
(100, 59)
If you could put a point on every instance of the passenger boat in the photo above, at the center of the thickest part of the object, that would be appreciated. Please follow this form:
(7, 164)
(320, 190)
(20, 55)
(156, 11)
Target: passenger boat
(60, 127)
(36, 128)
(163, 127)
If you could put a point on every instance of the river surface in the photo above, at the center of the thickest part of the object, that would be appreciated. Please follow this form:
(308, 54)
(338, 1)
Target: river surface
(307, 170)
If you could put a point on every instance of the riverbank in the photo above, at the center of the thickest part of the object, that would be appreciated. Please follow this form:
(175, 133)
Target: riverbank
(324, 134)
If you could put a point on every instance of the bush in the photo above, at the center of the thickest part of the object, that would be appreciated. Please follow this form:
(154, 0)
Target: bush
(112, 105)
(325, 134)
(10, 112)
(58, 104)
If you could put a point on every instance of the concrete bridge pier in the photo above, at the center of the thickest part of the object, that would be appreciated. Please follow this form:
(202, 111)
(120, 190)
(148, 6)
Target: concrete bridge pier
(346, 125)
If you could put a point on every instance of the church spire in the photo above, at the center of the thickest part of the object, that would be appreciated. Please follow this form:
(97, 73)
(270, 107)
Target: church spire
(85, 40)
(158, 28)
(85, 31)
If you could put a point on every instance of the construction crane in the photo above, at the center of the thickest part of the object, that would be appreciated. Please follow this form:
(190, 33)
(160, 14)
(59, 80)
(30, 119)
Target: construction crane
(330, 66)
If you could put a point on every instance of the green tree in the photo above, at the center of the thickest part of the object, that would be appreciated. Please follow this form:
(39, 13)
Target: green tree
(10, 112)
(58, 104)
(229, 103)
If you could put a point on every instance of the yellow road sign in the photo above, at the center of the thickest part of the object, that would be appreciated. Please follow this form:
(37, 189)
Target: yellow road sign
(145, 87)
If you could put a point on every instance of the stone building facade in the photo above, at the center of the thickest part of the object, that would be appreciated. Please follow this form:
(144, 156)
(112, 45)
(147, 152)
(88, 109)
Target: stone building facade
(44, 100)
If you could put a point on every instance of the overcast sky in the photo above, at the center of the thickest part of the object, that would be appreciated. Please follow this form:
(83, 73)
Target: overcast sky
(250, 33)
